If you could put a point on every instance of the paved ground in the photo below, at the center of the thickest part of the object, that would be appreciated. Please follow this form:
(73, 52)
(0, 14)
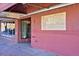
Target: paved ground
(9, 48)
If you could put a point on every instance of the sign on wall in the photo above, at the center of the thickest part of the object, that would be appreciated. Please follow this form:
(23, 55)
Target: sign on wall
(54, 21)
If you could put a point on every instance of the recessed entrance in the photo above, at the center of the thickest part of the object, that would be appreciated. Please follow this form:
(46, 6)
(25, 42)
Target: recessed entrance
(26, 29)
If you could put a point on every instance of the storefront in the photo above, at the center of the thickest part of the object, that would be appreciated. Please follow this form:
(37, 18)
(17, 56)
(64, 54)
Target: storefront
(53, 29)
(62, 37)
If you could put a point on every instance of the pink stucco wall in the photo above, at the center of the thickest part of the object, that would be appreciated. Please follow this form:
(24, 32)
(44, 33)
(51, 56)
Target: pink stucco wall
(61, 42)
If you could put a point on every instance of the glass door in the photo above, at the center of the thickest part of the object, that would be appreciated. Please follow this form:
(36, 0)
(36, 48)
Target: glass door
(25, 29)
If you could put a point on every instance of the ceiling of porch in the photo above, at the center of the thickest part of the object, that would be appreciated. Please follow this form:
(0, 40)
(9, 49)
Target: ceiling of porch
(29, 7)
(19, 10)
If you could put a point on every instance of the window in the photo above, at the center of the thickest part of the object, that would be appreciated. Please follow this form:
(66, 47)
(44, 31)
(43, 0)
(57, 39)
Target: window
(54, 21)
(24, 29)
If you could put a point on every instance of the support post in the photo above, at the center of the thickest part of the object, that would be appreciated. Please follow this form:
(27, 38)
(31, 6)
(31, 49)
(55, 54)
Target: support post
(18, 30)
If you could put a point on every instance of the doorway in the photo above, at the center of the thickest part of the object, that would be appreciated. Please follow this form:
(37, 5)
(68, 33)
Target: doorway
(26, 29)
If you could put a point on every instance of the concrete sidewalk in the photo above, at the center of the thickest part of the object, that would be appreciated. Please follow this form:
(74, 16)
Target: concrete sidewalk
(9, 48)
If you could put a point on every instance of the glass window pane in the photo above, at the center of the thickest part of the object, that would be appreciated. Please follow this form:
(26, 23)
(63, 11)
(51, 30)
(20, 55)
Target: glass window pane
(24, 29)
